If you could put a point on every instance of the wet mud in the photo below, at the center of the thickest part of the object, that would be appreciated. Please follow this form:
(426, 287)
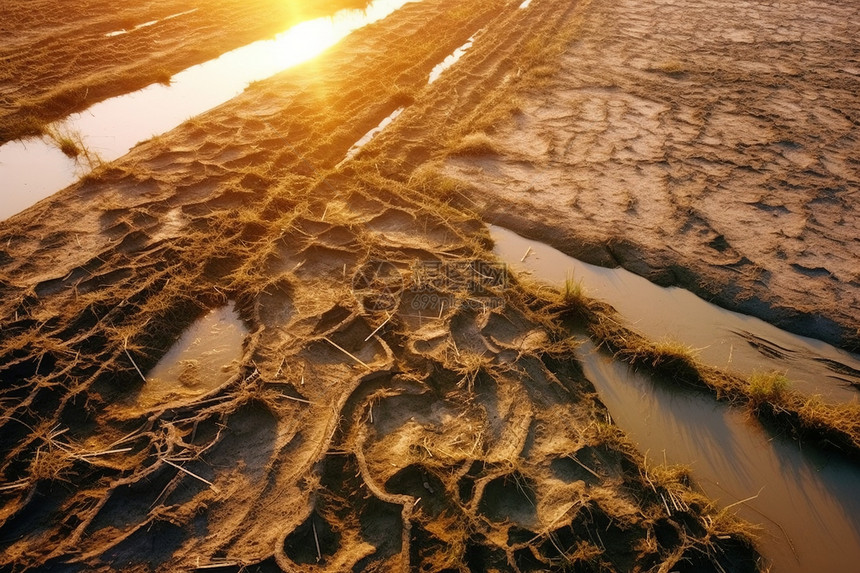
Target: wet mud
(399, 401)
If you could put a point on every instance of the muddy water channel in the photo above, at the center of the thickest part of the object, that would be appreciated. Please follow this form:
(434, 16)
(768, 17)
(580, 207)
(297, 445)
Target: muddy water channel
(722, 338)
(35, 168)
(805, 501)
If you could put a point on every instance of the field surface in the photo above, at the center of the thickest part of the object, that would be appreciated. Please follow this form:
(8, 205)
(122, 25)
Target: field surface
(711, 145)
(394, 398)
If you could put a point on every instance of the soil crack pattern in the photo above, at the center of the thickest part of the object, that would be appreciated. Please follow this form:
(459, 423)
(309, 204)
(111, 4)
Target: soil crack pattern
(708, 145)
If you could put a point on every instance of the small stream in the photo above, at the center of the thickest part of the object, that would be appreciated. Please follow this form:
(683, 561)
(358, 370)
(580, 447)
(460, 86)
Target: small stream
(723, 338)
(34, 168)
(805, 501)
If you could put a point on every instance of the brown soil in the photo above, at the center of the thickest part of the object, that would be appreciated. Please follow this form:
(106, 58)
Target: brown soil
(711, 145)
(379, 421)
(58, 60)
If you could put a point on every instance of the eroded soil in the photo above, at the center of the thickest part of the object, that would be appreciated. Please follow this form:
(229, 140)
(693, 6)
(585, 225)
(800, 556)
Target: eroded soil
(711, 145)
(378, 421)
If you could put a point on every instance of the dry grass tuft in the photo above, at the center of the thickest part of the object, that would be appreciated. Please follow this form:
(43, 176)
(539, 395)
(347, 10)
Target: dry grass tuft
(430, 181)
(573, 293)
(71, 143)
(668, 352)
(162, 76)
(470, 365)
(767, 387)
(670, 67)
(475, 144)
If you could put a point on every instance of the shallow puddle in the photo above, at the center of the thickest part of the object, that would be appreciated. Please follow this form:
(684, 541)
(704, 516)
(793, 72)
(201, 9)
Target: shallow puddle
(805, 502)
(724, 339)
(449, 61)
(365, 139)
(112, 127)
(148, 24)
(205, 357)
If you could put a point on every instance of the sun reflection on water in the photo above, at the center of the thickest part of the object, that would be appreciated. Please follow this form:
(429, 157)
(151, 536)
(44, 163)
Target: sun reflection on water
(36, 168)
(309, 39)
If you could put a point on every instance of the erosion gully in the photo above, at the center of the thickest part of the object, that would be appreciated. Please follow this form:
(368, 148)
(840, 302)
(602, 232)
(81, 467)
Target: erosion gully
(804, 500)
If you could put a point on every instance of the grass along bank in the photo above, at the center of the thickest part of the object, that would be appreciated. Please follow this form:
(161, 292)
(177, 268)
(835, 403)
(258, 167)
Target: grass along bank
(768, 395)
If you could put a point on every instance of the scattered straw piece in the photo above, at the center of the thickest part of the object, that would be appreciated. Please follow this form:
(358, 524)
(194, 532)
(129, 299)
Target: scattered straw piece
(327, 339)
(585, 467)
(316, 540)
(192, 474)
(287, 396)
(127, 353)
(750, 498)
(104, 453)
(20, 484)
(378, 328)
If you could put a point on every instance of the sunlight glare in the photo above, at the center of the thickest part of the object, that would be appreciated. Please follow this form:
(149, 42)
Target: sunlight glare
(308, 39)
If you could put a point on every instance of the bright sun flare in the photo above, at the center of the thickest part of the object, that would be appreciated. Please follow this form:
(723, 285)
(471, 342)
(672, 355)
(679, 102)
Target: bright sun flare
(308, 39)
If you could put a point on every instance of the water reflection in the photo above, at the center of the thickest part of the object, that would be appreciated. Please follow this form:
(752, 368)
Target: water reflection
(205, 357)
(148, 24)
(725, 339)
(33, 169)
(805, 501)
(365, 139)
(449, 61)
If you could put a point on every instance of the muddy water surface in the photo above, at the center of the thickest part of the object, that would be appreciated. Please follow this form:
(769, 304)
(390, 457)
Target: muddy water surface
(805, 502)
(724, 339)
(205, 357)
